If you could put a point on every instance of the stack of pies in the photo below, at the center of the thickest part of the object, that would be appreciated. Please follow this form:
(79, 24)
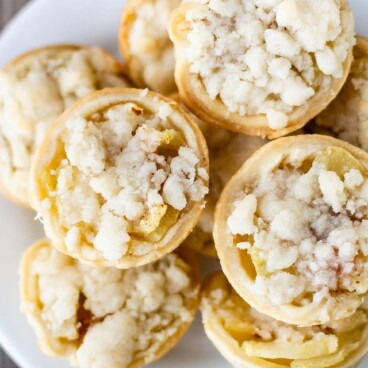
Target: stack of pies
(132, 167)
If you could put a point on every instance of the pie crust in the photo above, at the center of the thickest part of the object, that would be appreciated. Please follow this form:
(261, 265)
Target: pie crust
(120, 178)
(35, 89)
(287, 260)
(157, 327)
(196, 97)
(145, 44)
(234, 328)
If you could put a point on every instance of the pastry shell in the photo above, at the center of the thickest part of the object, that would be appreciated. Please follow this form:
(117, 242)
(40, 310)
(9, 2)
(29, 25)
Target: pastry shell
(236, 264)
(17, 66)
(61, 347)
(196, 98)
(163, 80)
(48, 153)
(214, 318)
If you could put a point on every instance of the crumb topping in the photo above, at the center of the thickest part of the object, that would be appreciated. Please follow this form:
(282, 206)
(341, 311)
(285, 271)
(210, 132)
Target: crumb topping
(113, 317)
(305, 230)
(127, 174)
(347, 116)
(149, 43)
(35, 93)
(264, 337)
(268, 57)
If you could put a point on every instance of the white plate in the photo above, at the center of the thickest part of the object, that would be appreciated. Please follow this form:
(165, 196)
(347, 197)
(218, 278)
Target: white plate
(94, 22)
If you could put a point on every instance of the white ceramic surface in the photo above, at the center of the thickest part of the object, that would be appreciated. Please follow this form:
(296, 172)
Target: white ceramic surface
(89, 22)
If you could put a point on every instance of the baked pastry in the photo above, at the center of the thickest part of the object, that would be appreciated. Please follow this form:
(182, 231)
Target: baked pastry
(291, 229)
(261, 67)
(120, 178)
(227, 152)
(105, 317)
(35, 89)
(347, 116)
(146, 46)
(249, 339)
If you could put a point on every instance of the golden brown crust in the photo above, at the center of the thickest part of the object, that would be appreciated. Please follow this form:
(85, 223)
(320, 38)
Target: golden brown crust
(194, 95)
(136, 66)
(239, 269)
(22, 61)
(32, 307)
(85, 107)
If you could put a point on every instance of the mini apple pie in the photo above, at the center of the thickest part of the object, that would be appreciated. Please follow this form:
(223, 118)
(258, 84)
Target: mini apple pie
(227, 152)
(347, 116)
(261, 67)
(120, 178)
(291, 229)
(146, 46)
(105, 317)
(35, 89)
(249, 339)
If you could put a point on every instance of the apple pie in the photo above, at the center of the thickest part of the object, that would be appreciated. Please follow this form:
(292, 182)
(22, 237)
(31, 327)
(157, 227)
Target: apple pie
(291, 229)
(35, 89)
(105, 317)
(120, 178)
(249, 339)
